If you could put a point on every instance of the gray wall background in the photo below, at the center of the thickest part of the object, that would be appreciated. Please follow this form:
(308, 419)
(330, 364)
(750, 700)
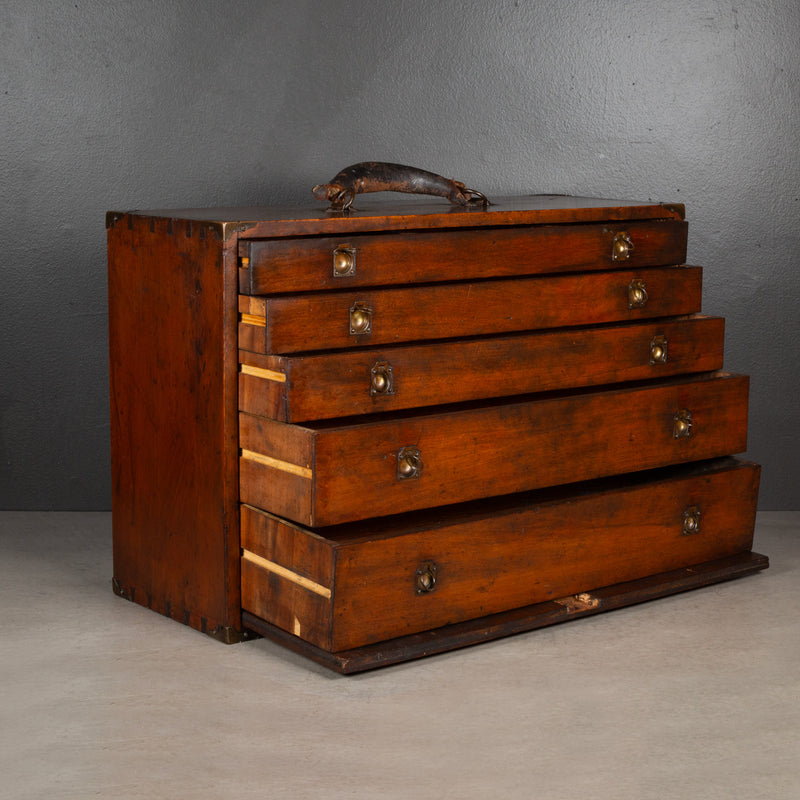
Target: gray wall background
(196, 103)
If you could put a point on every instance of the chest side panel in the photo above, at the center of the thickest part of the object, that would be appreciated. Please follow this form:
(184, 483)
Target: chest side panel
(173, 421)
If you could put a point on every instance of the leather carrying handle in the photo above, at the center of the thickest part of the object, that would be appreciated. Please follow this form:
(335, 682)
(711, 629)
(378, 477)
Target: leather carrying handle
(378, 176)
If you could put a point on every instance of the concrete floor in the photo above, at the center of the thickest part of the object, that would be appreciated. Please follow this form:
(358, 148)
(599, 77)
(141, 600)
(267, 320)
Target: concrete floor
(693, 696)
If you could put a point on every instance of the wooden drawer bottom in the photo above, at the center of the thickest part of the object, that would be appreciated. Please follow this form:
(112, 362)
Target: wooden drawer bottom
(352, 585)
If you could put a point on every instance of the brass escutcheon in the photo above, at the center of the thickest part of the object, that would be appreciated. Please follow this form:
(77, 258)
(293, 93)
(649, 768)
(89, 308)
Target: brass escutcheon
(658, 349)
(682, 424)
(621, 246)
(409, 463)
(425, 578)
(381, 378)
(637, 293)
(344, 261)
(691, 521)
(360, 319)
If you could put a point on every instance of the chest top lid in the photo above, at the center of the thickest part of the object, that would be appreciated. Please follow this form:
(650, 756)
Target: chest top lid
(378, 214)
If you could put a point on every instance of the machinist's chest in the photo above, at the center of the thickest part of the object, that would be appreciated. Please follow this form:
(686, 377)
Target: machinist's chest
(410, 428)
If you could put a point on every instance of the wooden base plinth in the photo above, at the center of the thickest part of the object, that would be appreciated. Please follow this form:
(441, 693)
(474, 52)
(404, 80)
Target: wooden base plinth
(496, 626)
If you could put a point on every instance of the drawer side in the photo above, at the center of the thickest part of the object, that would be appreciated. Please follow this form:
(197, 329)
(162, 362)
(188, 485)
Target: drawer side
(287, 576)
(276, 467)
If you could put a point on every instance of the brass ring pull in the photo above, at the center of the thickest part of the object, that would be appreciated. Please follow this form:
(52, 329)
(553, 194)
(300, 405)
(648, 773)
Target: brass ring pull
(381, 379)
(621, 246)
(409, 463)
(691, 521)
(425, 578)
(658, 349)
(637, 293)
(360, 319)
(344, 261)
(682, 424)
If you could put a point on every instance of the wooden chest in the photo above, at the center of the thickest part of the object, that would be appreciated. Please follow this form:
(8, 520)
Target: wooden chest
(378, 435)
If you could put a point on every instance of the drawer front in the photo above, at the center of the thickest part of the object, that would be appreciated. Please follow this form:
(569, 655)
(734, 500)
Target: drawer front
(349, 586)
(326, 474)
(336, 320)
(368, 380)
(313, 263)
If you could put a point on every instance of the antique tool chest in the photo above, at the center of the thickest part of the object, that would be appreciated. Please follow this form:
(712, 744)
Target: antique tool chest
(407, 428)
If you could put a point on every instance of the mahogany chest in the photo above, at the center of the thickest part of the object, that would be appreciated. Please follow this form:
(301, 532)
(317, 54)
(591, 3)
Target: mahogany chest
(386, 433)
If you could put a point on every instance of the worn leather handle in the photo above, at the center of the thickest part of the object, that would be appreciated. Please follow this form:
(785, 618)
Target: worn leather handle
(378, 176)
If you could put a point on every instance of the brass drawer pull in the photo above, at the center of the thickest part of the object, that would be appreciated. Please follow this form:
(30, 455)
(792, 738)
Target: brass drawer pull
(691, 521)
(409, 463)
(621, 247)
(344, 261)
(425, 578)
(360, 319)
(658, 349)
(381, 378)
(637, 293)
(682, 424)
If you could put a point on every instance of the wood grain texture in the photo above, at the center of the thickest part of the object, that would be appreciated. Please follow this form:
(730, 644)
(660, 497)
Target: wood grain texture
(290, 606)
(558, 549)
(321, 321)
(289, 444)
(337, 384)
(496, 448)
(252, 305)
(306, 264)
(172, 310)
(513, 553)
(276, 569)
(267, 398)
(294, 548)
